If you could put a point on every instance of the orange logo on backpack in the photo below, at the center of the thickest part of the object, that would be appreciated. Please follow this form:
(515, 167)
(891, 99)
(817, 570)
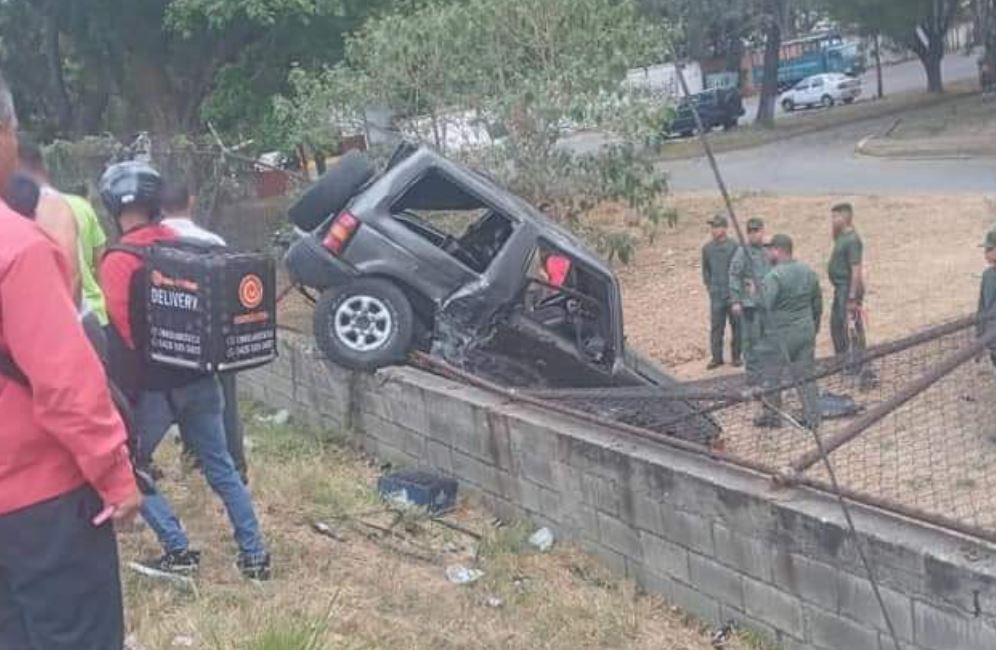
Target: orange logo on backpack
(251, 291)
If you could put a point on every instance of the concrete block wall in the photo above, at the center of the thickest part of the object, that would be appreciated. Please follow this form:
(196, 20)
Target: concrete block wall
(715, 540)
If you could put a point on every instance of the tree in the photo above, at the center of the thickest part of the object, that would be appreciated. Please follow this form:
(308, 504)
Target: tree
(515, 74)
(774, 19)
(920, 25)
(164, 65)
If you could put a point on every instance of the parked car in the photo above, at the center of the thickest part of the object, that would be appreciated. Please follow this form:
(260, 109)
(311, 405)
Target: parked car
(718, 107)
(821, 90)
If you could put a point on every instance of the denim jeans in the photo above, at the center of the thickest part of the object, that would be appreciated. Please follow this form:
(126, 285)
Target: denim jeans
(197, 409)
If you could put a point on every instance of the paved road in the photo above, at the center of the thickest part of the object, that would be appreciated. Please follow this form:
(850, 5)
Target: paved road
(822, 163)
(900, 78)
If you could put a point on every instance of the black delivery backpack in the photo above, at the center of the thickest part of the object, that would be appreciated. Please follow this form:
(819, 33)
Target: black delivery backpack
(206, 308)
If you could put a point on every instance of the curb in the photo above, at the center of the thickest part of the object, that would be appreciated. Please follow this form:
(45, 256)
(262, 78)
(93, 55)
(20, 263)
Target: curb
(862, 150)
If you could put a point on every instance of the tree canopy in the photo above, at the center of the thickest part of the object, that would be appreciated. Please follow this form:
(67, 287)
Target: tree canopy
(90, 66)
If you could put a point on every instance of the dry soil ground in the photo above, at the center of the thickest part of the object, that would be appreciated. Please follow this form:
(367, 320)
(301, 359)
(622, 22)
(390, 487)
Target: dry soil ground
(380, 592)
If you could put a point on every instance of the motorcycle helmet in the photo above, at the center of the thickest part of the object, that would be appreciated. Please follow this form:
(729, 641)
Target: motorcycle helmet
(129, 184)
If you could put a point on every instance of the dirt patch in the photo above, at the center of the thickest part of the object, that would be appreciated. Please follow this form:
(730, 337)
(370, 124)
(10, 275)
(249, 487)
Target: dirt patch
(922, 256)
(365, 592)
(966, 127)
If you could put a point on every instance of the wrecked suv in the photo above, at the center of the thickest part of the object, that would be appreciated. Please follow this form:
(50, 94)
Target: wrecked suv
(428, 254)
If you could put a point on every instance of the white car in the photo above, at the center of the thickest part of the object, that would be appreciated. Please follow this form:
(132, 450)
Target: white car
(822, 90)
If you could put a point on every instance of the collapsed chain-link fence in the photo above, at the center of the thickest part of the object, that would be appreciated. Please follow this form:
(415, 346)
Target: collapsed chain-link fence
(912, 427)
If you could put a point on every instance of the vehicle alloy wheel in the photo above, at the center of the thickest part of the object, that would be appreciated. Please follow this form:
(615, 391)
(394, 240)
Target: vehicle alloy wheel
(827, 101)
(788, 105)
(363, 323)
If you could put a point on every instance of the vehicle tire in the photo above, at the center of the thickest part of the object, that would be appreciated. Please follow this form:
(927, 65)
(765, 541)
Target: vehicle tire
(788, 105)
(330, 193)
(731, 124)
(849, 100)
(365, 325)
(826, 101)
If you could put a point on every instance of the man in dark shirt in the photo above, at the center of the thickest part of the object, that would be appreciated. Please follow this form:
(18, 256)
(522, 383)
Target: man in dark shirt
(716, 257)
(847, 328)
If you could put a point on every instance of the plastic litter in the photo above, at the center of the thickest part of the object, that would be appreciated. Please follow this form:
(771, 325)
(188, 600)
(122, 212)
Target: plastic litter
(461, 575)
(183, 641)
(542, 540)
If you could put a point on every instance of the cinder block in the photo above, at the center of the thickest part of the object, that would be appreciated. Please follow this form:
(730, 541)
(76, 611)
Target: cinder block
(646, 514)
(653, 583)
(451, 420)
(832, 632)
(467, 468)
(691, 531)
(812, 581)
(858, 602)
(439, 456)
(601, 493)
(663, 557)
(777, 608)
(529, 439)
(619, 536)
(535, 498)
(767, 635)
(696, 603)
(743, 553)
(716, 580)
(577, 521)
(938, 629)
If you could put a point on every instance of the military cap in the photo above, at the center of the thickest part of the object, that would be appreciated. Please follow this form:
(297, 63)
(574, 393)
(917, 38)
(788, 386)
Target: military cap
(718, 221)
(781, 242)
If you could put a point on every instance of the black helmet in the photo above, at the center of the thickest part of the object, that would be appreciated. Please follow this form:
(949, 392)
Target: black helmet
(131, 183)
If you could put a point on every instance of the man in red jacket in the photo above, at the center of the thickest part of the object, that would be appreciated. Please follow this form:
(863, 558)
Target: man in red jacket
(65, 473)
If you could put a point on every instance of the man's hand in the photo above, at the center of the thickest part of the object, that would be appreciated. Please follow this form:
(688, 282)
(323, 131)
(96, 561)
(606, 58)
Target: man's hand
(853, 307)
(122, 512)
(737, 309)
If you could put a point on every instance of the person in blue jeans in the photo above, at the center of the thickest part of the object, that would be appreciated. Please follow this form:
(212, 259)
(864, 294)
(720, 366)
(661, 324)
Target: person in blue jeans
(197, 409)
(161, 394)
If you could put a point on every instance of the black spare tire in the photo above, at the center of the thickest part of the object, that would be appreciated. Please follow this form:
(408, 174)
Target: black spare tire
(330, 193)
(364, 325)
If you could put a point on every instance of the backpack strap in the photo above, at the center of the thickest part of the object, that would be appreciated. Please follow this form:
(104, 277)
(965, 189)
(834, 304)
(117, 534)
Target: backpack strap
(140, 252)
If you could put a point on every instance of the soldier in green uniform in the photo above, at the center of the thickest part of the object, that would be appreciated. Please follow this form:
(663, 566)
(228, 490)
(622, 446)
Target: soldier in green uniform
(743, 294)
(793, 304)
(986, 315)
(716, 257)
(847, 278)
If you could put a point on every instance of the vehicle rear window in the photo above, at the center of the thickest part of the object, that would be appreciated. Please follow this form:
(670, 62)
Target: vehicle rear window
(453, 219)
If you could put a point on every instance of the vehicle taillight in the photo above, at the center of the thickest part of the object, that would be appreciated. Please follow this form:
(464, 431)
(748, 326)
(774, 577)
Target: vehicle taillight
(340, 232)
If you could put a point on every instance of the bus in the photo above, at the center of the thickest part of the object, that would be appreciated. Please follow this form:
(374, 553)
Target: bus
(817, 53)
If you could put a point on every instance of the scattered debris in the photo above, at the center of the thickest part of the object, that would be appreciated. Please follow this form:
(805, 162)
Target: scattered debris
(182, 582)
(419, 488)
(542, 539)
(183, 641)
(494, 602)
(461, 575)
(324, 529)
(723, 635)
(457, 527)
(278, 418)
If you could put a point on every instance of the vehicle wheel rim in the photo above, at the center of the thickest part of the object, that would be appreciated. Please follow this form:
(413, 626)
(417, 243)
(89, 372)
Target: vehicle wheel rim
(363, 323)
